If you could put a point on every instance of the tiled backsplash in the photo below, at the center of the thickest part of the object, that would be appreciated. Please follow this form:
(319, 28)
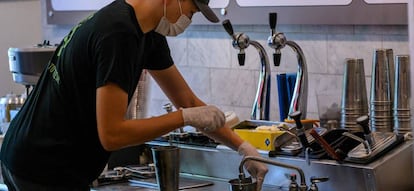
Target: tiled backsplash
(208, 61)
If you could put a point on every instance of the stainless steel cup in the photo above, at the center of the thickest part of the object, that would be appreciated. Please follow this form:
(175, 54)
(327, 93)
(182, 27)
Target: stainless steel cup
(243, 185)
(391, 68)
(354, 94)
(381, 98)
(402, 83)
(167, 167)
(401, 107)
(380, 82)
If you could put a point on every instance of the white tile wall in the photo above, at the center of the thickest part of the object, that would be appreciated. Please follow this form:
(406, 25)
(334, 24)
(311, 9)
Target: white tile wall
(209, 63)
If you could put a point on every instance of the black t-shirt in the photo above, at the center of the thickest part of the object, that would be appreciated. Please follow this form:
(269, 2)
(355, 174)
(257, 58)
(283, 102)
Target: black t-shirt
(53, 139)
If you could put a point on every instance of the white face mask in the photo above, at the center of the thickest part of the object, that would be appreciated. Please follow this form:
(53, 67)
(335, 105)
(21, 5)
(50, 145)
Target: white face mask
(173, 29)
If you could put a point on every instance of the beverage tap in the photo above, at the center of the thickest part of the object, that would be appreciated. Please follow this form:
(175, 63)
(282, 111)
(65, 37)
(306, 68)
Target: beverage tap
(260, 109)
(278, 41)
(300, 130)
(240, 41)
(363, 121)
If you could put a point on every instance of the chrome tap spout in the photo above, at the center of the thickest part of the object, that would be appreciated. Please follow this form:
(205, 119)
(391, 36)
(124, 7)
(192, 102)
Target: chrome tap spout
(260, 108)
(278, 41)
(302, 185)
(300, 94)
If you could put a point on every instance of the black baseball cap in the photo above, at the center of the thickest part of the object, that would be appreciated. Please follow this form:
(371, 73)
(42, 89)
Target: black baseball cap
(202, 5)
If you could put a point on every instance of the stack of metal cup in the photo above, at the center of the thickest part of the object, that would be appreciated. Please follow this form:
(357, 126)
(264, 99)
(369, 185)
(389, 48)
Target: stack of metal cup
(381, 98)
(354, 94)
(401, 108)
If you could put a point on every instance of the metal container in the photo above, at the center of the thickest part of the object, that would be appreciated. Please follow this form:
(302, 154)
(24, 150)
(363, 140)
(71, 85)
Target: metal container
(354, 95)
(27, 63)
(246, 184)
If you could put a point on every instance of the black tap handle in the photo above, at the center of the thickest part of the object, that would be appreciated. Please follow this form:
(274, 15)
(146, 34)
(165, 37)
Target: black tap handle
(241, 57)
(363, 121)
(276, 58)
(273, 20)
(296, 116)
(228, 27)
(301, 131)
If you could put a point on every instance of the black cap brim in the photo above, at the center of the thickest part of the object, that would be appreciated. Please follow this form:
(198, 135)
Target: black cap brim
(206, 10)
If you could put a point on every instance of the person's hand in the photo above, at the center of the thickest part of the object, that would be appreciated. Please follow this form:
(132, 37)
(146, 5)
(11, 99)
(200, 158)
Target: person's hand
(204, 118)
(256, 169)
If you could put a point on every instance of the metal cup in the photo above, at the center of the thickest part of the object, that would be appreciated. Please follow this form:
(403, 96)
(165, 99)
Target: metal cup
(380, 82)
(391, 68)
(167, 167)
(402, 95)
(381, 98)
(354, 94)
(402, 83)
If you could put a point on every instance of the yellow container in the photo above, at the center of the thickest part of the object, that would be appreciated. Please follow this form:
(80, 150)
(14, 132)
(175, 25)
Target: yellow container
(261, 139)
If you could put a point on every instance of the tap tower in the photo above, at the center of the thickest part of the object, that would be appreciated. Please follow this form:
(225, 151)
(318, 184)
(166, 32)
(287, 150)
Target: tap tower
(241, 41)
(278, 41)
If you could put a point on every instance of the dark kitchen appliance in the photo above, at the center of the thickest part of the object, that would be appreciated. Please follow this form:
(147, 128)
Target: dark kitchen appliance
(27, 63)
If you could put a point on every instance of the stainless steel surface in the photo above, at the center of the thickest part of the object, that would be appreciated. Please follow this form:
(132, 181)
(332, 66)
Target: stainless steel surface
(391, 69)
(380, 111)
(382, 140)
(137, 107)
(402, 95)
(204, 184)
(222, 163)
(167, 167)
(354, 101)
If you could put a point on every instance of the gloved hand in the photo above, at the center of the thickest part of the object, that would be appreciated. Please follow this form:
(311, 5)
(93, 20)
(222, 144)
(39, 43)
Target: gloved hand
(204, 118)
(256, 169)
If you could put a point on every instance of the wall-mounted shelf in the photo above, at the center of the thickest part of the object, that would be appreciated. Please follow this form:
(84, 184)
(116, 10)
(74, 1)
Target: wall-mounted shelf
(244, 12)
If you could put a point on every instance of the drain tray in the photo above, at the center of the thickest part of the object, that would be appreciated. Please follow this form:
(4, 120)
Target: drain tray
(185, 183)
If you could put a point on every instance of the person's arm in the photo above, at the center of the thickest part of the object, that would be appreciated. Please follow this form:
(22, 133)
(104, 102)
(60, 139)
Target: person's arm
(180, 94)
(177, 90)
(116, 132)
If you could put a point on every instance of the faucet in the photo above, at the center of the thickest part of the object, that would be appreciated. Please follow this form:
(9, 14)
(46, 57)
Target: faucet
(302, 186)
(260, 109)
(278, 41)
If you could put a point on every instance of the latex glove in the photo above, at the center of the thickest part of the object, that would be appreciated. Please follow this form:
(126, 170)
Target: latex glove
(204, 118)
(256, 169)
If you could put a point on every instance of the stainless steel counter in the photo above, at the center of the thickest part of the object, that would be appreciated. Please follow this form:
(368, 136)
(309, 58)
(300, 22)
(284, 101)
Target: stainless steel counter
(217, 185)
(393, 171)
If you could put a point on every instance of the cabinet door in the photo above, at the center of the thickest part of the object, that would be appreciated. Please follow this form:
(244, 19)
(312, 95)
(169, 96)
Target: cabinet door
(249, 3)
